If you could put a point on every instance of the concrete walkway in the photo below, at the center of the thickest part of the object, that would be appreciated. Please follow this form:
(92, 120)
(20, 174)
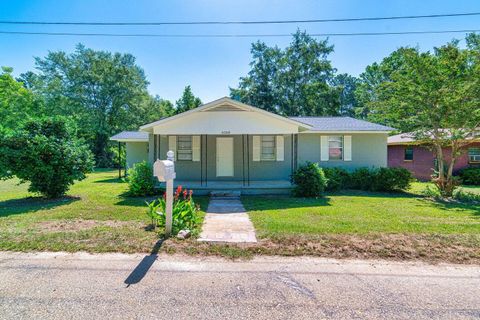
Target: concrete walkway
(227, 221)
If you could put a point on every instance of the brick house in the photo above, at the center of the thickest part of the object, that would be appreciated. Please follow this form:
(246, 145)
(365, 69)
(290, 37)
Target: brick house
(405, 152)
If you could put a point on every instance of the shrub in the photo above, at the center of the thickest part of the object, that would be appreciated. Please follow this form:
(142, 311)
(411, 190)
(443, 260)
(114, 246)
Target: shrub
(382, 179)
(141, 180)
(361, 179)
(309, 180)
(390, 179)
(462, 195)
(470, 176)
(47, 153)
(338, 178)
(184, 214)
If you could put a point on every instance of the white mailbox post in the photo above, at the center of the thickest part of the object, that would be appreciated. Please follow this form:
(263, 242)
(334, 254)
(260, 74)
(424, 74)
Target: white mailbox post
(164, 170)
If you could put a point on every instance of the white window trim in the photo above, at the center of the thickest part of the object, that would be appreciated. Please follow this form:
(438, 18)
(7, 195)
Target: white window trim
(473, 158)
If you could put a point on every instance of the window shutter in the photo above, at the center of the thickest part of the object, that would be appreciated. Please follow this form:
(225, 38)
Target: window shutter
(172, 145)
(324, 148)
(280, 145)
(195, 148)
(347, 148)
(256, 148)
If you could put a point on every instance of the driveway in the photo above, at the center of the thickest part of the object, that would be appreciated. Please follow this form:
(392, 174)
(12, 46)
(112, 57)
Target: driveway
(113, 286)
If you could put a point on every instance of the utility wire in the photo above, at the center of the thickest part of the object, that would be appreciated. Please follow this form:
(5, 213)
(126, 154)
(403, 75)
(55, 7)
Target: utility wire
(348, 34)
(465, 14)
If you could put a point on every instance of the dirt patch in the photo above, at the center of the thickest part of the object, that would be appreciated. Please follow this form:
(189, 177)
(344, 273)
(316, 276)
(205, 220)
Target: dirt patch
(430, 248)
(80, 224)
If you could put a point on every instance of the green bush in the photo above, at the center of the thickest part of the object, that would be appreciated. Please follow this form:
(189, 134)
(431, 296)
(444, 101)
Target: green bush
(184, 214)
(464, 196)
(338, 178)
(361, 179)
(390, 179)
(47, 153)
(381, 179)
(141, 181)
(309, 180)
(470, 176)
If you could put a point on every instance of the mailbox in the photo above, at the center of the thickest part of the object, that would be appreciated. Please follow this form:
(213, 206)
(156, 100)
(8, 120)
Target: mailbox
(164, 170)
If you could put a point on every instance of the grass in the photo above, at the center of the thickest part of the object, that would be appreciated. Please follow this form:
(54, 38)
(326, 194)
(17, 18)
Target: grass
(95, 216)
(368, 224)
(361, 213)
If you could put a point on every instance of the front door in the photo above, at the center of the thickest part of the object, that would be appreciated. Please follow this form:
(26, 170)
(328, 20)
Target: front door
(225, 157)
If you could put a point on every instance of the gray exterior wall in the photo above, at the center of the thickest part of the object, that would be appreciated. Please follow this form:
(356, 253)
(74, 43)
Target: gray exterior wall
(243, 163)
(368, 150)
(136, 152)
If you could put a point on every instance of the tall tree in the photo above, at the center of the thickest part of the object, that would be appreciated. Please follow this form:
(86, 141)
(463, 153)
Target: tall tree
(294, 81)
(437, 97)
(187, 101)
(259, 87)
(348, 101)
(17, 103)
(366, 91)
(100, 90)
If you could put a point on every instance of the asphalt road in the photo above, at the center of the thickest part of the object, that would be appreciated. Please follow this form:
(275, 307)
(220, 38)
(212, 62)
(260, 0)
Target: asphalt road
(112, 286)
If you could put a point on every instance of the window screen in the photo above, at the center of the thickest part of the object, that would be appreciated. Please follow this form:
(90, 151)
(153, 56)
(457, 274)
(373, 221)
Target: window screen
(335, 147)
(268, 148)
(408, 156)
(474, 154)
(184, 148)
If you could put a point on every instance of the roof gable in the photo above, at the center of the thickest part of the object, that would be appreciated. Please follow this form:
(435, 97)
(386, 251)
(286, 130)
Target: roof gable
(225, 104)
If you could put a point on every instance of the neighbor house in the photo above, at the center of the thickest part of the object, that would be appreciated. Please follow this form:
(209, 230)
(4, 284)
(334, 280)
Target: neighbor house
(226, 144)
(404, 151)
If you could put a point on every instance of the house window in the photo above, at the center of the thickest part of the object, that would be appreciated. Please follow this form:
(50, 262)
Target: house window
(184, 148)
(335, 147)
(408, 156)
(474, 154)
(268, 148)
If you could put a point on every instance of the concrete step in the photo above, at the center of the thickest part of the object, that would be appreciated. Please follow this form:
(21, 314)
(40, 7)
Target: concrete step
(225, 194)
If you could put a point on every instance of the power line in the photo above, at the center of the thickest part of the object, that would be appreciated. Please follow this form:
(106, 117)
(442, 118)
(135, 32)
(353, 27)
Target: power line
(132, 35)
(153, 23)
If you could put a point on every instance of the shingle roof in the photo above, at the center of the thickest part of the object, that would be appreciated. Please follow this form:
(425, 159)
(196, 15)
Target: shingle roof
(340, 124)
(401, 138)
(130, 136)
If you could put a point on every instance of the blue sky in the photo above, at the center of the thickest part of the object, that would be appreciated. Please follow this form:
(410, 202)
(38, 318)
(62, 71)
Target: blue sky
(210, 66)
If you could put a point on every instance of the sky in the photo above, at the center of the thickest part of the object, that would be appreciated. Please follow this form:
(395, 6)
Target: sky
(209, 65)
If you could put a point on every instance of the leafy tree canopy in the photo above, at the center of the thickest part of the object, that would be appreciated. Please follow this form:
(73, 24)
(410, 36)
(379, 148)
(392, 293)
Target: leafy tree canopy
(47, 153)
(187, 101)
(348, 101)
(435, 95)
(17, 104)
(104, 92)
(294, 81)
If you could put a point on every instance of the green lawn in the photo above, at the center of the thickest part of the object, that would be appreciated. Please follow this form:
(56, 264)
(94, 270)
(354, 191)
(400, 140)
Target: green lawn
(356, 224)
(360, 212)
(96, 216)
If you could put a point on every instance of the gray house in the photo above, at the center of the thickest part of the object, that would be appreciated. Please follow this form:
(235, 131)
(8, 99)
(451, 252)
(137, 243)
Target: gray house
(226, 144)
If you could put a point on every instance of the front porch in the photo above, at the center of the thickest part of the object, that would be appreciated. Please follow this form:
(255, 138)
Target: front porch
(245, 188)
